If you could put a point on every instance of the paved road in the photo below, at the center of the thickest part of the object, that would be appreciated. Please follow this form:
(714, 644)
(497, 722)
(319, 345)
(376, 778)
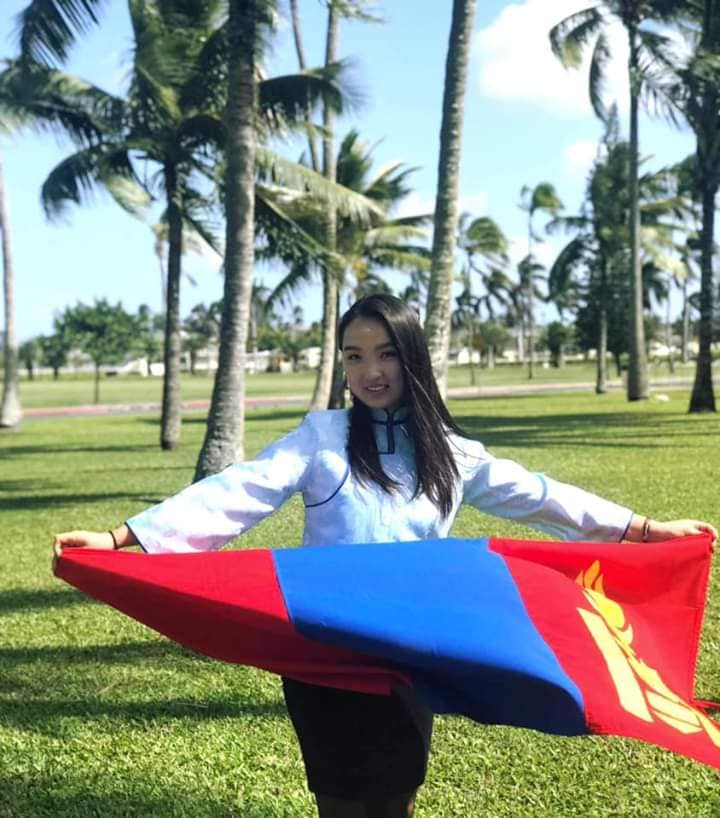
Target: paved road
(302, 400)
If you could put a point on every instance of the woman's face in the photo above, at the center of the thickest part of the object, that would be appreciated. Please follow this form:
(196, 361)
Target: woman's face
(372, 364)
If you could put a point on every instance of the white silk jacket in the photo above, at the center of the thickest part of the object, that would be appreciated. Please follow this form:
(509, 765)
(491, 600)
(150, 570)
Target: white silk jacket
(339, 509)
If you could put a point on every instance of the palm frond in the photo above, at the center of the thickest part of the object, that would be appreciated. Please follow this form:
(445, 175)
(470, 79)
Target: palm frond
(400, 258)
(298, 276)
(596, 78)
(47, 28)
(392, 233)
(567, 224)
(206, 231)
(206, 84)
(202, 130)
(286, 237)
(285, 101)
(564, 266)
(78, 178)
(347, 203)
(570, 36)
(421, 220)
(45, 99)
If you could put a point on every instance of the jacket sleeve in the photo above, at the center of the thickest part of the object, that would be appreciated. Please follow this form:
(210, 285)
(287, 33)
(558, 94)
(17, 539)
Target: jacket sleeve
(213, 511)
(506, 489)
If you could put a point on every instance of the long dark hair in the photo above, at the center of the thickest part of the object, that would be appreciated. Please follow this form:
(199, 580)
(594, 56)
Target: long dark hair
(429, 420)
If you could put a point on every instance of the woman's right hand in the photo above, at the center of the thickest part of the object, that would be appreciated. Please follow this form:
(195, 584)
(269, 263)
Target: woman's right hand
(83, 539)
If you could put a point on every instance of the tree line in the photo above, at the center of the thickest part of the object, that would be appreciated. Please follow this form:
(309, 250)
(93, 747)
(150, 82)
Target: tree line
(195, 131)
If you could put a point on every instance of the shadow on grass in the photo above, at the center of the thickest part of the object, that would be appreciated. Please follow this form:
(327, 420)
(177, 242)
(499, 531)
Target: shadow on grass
(40, 714)
(40, 502)
(641, 430)
(39, 797)
(296, 412)
(21, 599)
(120, 653)
(71, 448)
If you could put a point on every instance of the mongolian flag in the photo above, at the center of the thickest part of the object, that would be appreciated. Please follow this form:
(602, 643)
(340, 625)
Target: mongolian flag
(567, 638)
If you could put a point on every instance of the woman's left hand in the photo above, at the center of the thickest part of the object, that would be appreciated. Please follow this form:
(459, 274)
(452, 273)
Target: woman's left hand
(681, 528)
(656, 530)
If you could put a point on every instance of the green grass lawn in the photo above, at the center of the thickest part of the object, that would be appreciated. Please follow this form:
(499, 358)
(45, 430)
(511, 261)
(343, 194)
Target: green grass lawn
(101, 717)
(76, 391)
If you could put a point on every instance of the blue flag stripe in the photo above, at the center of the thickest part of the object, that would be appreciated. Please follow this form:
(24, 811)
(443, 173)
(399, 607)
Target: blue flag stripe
(446, 612)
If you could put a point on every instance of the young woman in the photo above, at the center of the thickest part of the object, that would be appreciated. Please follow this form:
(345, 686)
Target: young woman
(394, 467)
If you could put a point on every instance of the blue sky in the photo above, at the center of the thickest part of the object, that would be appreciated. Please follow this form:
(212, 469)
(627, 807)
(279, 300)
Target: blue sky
(527, 120)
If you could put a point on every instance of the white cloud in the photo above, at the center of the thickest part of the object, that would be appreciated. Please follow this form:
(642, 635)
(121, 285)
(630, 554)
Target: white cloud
(580, 155)
(513, 60)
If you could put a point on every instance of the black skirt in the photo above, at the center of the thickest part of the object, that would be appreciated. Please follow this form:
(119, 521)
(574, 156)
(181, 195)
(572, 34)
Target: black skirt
(359, 746)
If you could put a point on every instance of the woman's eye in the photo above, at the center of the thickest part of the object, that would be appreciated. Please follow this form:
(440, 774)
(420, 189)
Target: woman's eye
(352, 356)
(390, 353)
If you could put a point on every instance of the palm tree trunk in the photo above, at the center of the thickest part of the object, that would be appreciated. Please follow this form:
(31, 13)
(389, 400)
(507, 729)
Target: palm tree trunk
(702, 398)
(323, 385)
(521, 341)
(96, 384)
(337, 391)
(252, 337)
(529, 297)
(439, 305)
(10, 410)
(471, 345)
(170, 422)
(223, 442)
(531, 333)
(637, 384)
(668, 332)
(601, 380)
(685, 356)
(601, 373)
(297, 38)
(707, 157)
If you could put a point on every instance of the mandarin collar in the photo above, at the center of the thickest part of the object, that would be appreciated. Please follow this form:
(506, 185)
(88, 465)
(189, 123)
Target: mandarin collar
(394, 417)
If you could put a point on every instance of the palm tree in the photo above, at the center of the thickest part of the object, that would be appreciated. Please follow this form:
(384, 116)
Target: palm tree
(697, 94)
(439, 304)
(302, 64)
(465, 317)
(363, 247)
(168, 121)
(595, 261)
(258, 313)
(10, 410)
(174, 119)
(19, 91)
(649, 54)
(530, 275)
(542, 198)
(321, 398)
(486, 250)
(222, 445)
(485, 247)
(328, 389)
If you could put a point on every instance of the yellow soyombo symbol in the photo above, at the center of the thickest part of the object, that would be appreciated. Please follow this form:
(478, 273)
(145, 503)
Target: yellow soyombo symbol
(640, 689)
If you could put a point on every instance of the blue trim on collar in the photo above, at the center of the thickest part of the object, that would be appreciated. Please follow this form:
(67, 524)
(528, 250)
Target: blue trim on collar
(383, 417)
(397, 416)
